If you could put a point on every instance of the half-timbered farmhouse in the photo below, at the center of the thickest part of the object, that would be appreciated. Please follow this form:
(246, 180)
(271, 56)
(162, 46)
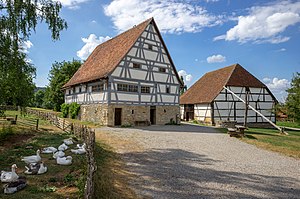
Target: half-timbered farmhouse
(208, 101)
(128, 80)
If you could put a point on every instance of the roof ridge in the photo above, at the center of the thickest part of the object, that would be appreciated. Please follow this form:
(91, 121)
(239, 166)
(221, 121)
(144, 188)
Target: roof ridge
(233, 69)
(134, 26)
(112, 52)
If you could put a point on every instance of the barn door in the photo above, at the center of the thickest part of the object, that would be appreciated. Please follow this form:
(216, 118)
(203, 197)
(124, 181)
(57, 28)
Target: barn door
(118, 116)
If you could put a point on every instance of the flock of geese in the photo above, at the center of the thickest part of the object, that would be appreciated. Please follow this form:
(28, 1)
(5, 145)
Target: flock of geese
(35, 165)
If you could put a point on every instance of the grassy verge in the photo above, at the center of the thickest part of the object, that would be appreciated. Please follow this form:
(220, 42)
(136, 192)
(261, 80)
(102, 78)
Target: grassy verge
(58, 182)
(289, 124)
(272, 140)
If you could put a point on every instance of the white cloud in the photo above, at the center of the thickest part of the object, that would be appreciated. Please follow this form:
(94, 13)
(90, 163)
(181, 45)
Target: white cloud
(216, 59)
(90, 44)
(281, 50)
(265, 24)
(187, 78)
(24, 46)
(72, 4)
(277, 86)
(172, 16)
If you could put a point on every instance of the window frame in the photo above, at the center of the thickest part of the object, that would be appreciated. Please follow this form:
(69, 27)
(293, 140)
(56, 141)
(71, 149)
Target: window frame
(145, 89)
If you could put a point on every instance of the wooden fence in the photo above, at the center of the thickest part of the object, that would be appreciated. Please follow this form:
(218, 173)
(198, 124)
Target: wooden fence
(81, 131)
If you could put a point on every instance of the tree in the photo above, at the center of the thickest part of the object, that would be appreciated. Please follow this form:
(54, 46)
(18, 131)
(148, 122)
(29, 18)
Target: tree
(16, 76)
(18, 19)
(293, 98)
(60, 73)
(39, 98)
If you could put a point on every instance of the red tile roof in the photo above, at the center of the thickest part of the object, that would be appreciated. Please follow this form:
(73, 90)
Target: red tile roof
(107, 56)
(207, 88)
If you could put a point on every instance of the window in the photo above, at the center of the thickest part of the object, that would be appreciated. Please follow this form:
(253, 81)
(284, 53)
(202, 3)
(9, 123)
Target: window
(167, 89)
(122, 87)
(97, 87)
(127, 88)
(136, 65)
(163, 70)
(133, 88)
(79, 90)
(150, 47)
(74, 90)
(145, 89)
(69, 91)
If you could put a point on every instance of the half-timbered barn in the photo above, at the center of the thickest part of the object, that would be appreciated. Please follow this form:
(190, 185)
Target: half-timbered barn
(209, 100)
(128, 80)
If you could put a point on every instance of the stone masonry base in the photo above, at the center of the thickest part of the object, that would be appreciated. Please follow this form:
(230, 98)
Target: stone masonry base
(104, 114)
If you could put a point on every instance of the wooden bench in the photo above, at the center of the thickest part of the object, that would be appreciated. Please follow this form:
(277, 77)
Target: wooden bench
(238, 131)
(142, 123)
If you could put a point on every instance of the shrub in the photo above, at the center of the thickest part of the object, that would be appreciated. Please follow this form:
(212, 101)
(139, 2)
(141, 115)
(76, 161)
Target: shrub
(65, 110)
(74, 109)
(5, 132)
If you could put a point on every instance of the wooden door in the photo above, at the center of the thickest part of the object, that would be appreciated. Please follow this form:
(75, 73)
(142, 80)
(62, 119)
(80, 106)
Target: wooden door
(118, 116)
(153, 115)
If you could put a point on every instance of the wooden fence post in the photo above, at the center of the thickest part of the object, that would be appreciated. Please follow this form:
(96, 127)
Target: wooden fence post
(37, 124)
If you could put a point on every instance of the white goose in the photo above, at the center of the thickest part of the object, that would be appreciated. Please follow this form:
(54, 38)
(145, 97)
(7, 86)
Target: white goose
(80, 146)
(33, 158)
(63, 147)
(64, 160)
(58, 154)
(49, 149)
(13, 187)
(68, 141)
(80, 149)
(38, 168)
(9, 176)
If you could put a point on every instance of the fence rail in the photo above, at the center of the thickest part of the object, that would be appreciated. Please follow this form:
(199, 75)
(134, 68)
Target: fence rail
(81, 131)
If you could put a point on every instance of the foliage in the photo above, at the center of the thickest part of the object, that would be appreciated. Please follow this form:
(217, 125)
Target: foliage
(293, 99)
(16, 76)
(65, 110)
(5, 132)
(18, 19)
(74, 110)
(59, 74)
(39, 98)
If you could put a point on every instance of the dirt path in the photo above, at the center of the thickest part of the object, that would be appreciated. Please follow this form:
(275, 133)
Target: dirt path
(198, 162)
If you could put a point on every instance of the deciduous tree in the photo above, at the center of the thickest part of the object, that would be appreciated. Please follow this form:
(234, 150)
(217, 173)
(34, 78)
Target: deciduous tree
(59, 74)
(293, 99)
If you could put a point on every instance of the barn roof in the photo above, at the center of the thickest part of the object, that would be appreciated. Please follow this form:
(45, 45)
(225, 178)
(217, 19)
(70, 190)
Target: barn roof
(207, 88)
(107, 56)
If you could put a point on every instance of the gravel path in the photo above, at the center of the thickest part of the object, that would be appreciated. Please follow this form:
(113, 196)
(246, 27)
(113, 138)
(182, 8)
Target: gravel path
(190, 161)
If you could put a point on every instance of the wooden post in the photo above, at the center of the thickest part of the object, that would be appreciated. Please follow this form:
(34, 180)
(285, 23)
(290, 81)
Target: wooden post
(37, 124)
(16, 118)
(246, 106)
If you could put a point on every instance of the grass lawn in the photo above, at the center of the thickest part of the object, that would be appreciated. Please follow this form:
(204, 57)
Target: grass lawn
(271, 139)
(289, 124)
(59, 181)
(111, 179)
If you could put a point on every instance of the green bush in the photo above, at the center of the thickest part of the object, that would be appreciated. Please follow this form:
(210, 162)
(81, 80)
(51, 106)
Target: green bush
(5, 132)
(65, 110)
(74, 109)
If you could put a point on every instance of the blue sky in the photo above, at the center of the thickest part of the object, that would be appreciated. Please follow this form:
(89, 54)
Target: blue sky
(201, 36)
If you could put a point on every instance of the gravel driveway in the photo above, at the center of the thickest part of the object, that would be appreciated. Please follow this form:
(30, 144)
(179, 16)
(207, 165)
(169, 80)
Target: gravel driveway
(189, 161)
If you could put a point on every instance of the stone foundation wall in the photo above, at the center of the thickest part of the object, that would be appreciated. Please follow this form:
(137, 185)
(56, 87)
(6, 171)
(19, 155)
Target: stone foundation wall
(104, 114)
(164, 114)
(130, 114)
(97, 113)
